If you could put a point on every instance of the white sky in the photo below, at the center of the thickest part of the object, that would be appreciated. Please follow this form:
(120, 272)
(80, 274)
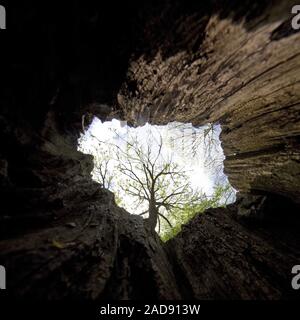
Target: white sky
(177, 141)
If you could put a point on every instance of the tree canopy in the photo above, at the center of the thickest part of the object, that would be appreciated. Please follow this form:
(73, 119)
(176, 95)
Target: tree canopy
(158, 186)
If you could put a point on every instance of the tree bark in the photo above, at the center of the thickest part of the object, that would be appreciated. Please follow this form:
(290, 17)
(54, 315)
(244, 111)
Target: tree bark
(151, 222)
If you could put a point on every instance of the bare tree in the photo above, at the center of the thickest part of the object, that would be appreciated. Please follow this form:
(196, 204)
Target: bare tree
(102, 170)
(155, 182)
(202, 143)
(147, 181)
(102, 160)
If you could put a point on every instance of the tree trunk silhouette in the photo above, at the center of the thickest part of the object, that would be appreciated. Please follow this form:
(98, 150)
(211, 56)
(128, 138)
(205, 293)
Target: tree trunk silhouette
(153, 216)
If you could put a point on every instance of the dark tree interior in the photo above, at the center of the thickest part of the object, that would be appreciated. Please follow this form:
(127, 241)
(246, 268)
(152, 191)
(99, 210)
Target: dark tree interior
(236, 63)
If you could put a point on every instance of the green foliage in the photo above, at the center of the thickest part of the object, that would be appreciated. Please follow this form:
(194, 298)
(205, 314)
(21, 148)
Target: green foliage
(183, 215)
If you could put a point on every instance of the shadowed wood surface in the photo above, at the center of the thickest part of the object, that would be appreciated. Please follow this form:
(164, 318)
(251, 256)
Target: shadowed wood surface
(62, 236)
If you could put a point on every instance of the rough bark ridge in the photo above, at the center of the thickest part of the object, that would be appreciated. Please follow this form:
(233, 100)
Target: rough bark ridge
(239, 67)
(242, 252)
(63, 236)
(214, 61)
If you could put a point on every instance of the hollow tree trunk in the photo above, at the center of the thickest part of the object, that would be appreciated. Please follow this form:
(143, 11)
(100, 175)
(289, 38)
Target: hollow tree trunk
(230, 62)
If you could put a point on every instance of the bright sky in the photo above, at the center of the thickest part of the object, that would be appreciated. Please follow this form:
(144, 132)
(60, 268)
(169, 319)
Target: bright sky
(203, 171)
